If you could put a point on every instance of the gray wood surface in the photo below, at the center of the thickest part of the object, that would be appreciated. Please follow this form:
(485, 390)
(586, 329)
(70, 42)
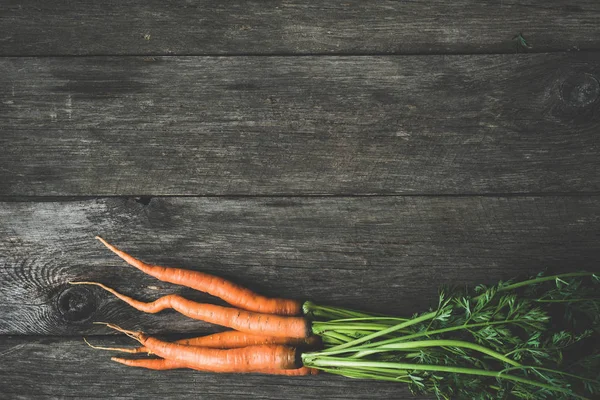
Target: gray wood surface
(356, 153)
(161, 27)
(386, 254)
(59, 368)
(300, 125)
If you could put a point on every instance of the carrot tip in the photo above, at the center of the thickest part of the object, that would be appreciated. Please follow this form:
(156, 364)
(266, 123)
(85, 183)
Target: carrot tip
(92, 283)
(104, 242)
(101, 323)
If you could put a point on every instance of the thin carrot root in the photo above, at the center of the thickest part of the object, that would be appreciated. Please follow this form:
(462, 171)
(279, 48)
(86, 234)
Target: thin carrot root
(139, 336)
(240, 320)
(232, 293)
(157, 364)
(134, 350)
(121, 349)
(161, 364)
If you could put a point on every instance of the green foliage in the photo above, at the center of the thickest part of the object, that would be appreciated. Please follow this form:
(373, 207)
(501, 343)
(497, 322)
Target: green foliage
(534, 339)
(520, 43)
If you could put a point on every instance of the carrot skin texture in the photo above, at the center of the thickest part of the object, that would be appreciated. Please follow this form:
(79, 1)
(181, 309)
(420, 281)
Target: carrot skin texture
(161, 364)
(232, 293)
(240, 320)
(235, 339)
(250, 358)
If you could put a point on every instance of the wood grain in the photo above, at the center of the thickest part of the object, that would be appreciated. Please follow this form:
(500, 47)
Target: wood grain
(163, 27)
(300, 125)
(59, 368)
(386, 254)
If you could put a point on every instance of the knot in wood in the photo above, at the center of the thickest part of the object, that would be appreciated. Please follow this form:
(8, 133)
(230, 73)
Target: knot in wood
(76, 303)
(580, 90)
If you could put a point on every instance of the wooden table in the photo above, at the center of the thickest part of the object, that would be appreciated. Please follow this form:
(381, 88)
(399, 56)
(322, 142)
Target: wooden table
(357, 153)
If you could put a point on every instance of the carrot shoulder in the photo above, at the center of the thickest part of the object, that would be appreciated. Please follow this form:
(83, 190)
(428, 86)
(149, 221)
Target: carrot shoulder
(232, 293)
(240, 320)
(162, 364)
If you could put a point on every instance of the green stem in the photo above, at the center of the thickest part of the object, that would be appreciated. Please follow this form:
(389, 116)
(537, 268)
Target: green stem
(550, 370)
(339, 336)
(438, 331)
(328, 340)
(341, 362)
(353, 332)
(364, 373)
(389, 330)
(452, 343)
(326, 326)
(434, 343)
(383, 371)
(311, 308)
(561, 301)
(369, 319)
(542, 279)
(427, 333)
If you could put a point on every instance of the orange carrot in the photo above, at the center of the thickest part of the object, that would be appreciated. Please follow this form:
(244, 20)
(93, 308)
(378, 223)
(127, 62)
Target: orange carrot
(231, 340)
(232, 293)
(240, 320)
(161, 364)
(246, 359)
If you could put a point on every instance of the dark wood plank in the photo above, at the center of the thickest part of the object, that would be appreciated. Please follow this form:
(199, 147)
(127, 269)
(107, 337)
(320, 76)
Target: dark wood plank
(60, 368)
(161, 27)
(300, 125)
(387, 254)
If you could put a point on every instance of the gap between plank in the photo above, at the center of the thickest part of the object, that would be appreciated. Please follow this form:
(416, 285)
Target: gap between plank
(143, 198)
(317, 54)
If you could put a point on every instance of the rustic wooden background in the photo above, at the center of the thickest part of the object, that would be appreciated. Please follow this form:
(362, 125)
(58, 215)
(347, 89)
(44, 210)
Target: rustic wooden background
(357, 153)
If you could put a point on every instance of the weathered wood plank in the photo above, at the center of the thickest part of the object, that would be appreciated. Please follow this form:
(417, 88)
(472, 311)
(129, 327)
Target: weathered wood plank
(387, 254)
(59, 368)
(300, 125)
(155, 27)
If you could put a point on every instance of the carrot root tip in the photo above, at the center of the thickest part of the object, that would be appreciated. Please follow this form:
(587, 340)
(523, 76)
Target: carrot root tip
(85, 283)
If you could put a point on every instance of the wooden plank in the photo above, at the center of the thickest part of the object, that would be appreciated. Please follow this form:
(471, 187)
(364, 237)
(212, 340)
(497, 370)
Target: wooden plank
(59, 368)
(157, 27)
(300, 125)
(387, 254)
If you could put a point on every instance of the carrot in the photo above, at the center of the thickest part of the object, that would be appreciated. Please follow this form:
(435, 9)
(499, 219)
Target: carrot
(232, 293)
(246, 359)
(240, 320)
(161, 364)
(231, 340)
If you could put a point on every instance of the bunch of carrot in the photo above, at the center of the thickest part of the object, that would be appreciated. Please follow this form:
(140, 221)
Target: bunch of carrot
(510, 340)
(267, 335)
